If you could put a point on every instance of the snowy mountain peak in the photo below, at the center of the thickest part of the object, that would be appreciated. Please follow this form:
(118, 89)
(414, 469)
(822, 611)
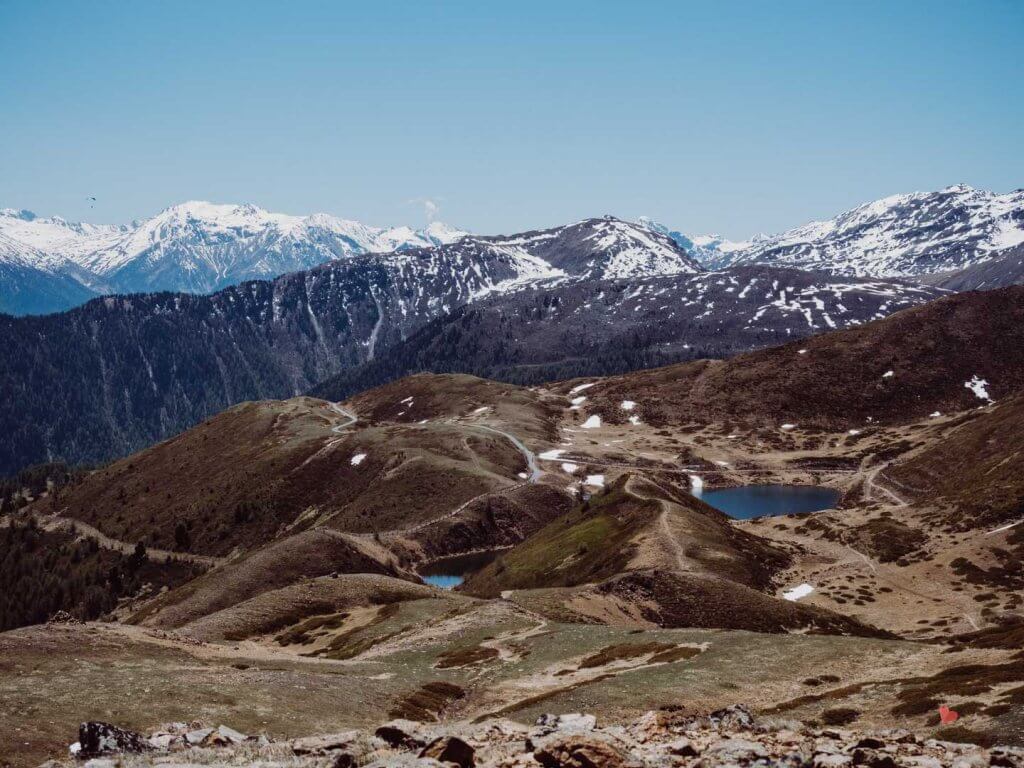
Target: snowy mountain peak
(902, 235)
(199, 246)
(24, 214)
(606, 247)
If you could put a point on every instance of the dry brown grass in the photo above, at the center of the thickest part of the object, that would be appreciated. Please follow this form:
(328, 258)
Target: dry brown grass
(427, 702)
(465, 657)
(624, 652)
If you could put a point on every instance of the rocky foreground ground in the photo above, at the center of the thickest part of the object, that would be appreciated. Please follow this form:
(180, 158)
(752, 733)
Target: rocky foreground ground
(729, 737)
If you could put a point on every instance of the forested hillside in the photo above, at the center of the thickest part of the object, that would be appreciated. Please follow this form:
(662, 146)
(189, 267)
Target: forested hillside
(43, 572)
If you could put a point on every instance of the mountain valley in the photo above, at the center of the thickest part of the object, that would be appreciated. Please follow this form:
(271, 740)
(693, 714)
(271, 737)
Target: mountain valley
(258, 500)
(131, 370)
(616, 588)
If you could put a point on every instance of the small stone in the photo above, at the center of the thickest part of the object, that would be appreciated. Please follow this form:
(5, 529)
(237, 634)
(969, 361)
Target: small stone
(318, 745)
(682, 748)
(344, 760)
(788, 736)
(450, 749)
(396, 736)
(96, 739)
(830, 760)
(872, 759)
(736, 750)
(162, 741)
(568, 722)
(971, 761)
(404, 761)
(231, 735)
(835, 734)
(869, 742)
(900, 736)
(737, 716)
(197, 737)
(580, 751)
(1007, 757)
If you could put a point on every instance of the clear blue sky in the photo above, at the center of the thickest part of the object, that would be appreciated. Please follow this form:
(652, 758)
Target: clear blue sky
(734, 117)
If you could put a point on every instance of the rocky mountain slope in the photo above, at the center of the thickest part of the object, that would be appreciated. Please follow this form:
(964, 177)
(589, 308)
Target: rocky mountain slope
(900, 236)
(565, 329)
(1007, 268)
(196, 247)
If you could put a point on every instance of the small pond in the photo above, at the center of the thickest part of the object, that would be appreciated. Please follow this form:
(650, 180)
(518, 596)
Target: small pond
(747, 501)
(449, 572)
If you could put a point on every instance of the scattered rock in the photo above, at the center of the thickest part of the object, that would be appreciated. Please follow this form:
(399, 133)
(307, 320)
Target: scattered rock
(732, 752)
(872, 759)
(1007, 757)
(198, 737)
(831, 760)
(681, 748)
(96, 739)
(450, 749)
(869, 743)
(164, 741)
(63, 617)
(668, 738)
(567, 723)
(736, 717)
(579, 751)
(319, 745)
(230, 735)
(397, 734)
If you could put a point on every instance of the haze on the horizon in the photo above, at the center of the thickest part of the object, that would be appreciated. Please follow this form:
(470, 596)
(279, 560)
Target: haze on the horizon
(727, 117)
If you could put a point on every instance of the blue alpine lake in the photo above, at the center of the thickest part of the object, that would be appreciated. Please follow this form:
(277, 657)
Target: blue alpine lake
(748, 501)
(449, 572)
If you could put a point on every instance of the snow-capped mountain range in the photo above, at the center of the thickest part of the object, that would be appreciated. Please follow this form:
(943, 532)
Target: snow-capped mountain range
(201, 247)
(196, 247)
(909, 236)
(49, 264)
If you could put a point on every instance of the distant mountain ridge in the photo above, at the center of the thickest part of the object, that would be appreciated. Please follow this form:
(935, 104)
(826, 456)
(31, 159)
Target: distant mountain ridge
(905, 236)
(131, 370)
(49, 264)
(567, 329)
(197, 247)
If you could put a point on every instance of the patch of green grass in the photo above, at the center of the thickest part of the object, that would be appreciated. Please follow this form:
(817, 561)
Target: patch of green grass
(588, 544)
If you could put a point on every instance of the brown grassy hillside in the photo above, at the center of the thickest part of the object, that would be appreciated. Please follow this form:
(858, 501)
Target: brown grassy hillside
(259, 470)
(838, 380)
(976, 471)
